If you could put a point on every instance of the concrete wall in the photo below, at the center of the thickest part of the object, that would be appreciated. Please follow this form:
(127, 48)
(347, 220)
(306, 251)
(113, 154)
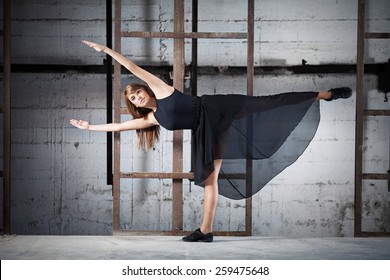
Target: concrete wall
(59, 172)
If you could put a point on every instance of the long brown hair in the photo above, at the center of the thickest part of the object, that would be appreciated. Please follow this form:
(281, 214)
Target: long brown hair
(148, 136)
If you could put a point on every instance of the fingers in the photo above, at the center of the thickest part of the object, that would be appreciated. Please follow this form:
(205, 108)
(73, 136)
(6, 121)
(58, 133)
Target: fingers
(86, 42)
(89, 44)
(73, 122)
(95, 46)
(77, 123)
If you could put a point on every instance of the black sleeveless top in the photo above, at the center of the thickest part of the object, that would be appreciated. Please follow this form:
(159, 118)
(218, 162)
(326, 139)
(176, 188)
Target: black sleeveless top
(177, 111)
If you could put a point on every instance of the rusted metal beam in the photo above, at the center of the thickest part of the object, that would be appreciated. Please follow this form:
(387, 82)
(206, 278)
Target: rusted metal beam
(359, 118)
(376, 35)
(178, 175)
(374, 234)
(117, 116)
(250, 47)
(158, 175)
(377, 112)
(109, 88)
(185, 35)
(250, 76)
(178, 83)
(360, 114)
(162, 70)
(7, 118)
(375, 176)
(194, 50)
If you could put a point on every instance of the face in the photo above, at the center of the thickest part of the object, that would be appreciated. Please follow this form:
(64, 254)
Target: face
(139, 98)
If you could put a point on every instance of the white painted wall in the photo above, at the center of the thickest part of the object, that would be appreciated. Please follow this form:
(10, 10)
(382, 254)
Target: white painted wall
(59, 173)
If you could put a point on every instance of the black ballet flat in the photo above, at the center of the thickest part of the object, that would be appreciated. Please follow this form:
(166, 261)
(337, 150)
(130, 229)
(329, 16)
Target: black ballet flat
(197, 235)
(342, 92)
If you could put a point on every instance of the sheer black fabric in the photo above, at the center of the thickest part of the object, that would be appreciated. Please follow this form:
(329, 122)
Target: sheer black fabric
(271, 131)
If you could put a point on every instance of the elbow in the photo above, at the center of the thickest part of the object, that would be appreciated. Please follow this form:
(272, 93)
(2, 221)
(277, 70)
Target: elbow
(120, 127)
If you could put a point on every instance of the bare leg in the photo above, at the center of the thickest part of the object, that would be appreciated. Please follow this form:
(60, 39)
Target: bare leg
(210, 198)
(324, 95)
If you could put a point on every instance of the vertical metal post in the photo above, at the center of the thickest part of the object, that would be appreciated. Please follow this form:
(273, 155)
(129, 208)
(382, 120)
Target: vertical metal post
(250, 74)
(194, 59)
(117, 118)
(194, 50)
(359, 118)
(178, 83)
(7, 117)
(109, 89)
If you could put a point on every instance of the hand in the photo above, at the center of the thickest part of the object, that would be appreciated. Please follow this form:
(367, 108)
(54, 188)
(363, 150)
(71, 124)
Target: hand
(80, 124)
(97, 47)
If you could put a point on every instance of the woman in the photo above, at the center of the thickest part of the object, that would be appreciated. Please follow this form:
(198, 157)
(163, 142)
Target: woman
(230, 127)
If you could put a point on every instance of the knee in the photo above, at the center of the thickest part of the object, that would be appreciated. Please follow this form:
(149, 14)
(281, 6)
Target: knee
(212, 181)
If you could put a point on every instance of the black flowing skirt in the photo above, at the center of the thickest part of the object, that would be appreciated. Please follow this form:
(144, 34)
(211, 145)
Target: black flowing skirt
(256, 136)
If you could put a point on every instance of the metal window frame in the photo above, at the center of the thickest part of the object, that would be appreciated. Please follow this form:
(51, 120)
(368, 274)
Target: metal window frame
(361, 113)
(177, 175)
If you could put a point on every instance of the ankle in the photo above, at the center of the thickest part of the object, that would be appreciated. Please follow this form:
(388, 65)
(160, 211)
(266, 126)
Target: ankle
(325, 95)
(205, 230)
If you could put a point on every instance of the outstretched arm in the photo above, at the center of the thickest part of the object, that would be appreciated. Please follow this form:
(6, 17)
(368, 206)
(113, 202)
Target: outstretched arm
(159, 87)
(147, 121)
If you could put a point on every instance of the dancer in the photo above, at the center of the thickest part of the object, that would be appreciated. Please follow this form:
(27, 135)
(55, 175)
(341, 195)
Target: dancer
(224, 127)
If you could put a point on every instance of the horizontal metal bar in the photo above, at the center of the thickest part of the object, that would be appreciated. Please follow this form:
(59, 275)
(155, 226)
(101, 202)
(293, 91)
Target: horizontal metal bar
(174, 233)
(372, 234)
(157, 175)
(203, 70)
(182, 35)
(176, 175)
(377, 35)
(376, 176)
(377, 112)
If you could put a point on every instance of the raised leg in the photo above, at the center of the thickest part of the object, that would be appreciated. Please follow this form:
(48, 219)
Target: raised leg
(324, 95)
(335, 93)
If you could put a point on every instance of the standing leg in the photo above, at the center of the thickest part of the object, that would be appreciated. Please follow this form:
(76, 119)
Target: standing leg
(210, 198)
(205, 232)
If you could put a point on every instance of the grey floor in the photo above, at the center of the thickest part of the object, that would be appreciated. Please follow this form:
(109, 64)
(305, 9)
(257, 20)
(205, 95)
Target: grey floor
(171, 247)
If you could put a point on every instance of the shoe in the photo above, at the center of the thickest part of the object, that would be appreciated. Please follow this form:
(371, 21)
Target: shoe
(342, 92)
(197, 235)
